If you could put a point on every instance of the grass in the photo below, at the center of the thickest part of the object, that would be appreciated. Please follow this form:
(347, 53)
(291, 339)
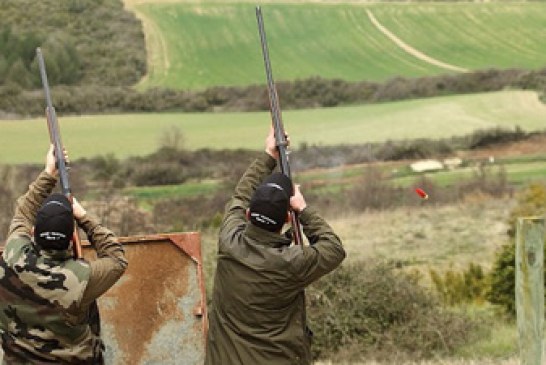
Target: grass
(501, 345)
(427, 236)
(198, 45)
(474, 37)
(486, 361)
(25, 141)
(188, 189)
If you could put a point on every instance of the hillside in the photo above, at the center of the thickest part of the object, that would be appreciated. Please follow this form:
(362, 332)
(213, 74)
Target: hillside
(199, 45)
(84, 42)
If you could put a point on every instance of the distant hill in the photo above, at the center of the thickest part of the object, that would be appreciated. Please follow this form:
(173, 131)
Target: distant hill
(84, 42)
(196, 45)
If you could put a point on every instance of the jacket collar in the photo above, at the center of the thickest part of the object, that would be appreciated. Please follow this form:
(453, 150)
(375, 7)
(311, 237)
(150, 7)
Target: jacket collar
(56, 255)
(266, 238)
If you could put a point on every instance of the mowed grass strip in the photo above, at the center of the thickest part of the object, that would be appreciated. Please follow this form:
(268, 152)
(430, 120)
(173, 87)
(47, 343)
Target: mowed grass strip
(208, 44)
(25, 141)
(471, 35)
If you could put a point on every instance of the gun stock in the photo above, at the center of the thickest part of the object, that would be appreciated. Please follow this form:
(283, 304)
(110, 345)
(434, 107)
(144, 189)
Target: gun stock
(55, 138)
(280, 135)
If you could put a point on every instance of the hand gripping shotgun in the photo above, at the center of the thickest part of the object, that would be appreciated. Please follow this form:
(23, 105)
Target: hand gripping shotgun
(55, 138)
(280, 136)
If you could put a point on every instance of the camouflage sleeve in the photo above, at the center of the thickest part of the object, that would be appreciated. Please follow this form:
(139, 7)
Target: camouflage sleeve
(324, 253)
(28, 204)
(234, 216)
(110, 263)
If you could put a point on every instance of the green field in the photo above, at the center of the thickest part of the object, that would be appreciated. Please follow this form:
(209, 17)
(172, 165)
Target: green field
(24, 141)
(140, 134)
(199, 45)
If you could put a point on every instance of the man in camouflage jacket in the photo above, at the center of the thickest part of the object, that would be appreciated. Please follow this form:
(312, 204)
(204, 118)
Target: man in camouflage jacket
(46, 294)
(258, 314)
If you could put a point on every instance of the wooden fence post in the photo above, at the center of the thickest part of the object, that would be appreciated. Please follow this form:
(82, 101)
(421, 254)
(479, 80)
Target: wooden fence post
(530, 288)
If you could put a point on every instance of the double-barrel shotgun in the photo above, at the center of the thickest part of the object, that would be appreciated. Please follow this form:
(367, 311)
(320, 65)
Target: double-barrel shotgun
(55, 138)
(280, 135)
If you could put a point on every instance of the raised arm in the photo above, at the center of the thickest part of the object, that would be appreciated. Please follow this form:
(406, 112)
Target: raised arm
(234, 216)
(110, 263)
(28, 204)
(325, 251)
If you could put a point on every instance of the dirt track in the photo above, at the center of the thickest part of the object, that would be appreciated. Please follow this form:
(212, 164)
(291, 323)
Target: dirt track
(410, 50)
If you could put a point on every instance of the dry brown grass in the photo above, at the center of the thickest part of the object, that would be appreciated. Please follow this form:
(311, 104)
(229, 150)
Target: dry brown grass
(428, 236)
(513, 361)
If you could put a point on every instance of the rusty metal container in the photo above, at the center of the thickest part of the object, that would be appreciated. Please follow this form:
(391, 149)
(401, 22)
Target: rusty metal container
(156, 313)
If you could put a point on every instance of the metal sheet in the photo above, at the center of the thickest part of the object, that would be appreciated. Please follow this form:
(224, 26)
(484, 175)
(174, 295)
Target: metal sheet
(156, 313)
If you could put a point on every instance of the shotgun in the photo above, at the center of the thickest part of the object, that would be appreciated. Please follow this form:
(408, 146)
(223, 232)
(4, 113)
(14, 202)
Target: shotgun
(280, 135)
(55, 138)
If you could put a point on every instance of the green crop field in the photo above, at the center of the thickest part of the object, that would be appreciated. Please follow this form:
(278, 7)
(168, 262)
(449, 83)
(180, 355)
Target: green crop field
(198, 45)
(23, 141)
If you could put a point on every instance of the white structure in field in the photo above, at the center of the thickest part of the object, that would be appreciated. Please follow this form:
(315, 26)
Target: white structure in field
(426, 165)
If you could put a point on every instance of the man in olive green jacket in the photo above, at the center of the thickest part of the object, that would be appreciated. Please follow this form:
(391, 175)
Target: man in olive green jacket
(258, 311)
(46, 296)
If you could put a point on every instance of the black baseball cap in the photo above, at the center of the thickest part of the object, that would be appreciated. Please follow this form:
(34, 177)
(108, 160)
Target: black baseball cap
(54, 223)
(271, 201)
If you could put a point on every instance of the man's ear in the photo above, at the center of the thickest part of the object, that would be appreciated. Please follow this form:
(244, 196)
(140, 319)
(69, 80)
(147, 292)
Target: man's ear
(247, 214)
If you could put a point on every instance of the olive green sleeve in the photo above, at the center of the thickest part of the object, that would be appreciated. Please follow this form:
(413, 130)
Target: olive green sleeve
(324, 253)
(234, 217)
(28, 204)
(110, 263)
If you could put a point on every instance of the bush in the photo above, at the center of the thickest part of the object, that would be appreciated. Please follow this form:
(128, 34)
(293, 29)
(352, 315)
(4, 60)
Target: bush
(531, 201)
(189, 214)
(460, 287)
(378, 311)
(158, 174)
(483, 138)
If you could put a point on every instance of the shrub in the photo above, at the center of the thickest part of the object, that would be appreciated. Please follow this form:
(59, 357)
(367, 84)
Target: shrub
(376, 310)
(460, 287)
(483, 138)
(531, 201)
(151, 174)
(188, 214)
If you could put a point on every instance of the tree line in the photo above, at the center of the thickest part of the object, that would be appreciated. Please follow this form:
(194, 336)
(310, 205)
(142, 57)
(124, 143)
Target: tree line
(308, 93)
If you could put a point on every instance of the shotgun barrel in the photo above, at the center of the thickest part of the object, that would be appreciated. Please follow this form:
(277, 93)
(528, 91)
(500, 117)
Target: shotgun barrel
(275, 109)
(55, 138)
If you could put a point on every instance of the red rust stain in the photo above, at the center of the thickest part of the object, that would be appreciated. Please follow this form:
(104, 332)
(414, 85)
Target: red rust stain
(146, 296)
